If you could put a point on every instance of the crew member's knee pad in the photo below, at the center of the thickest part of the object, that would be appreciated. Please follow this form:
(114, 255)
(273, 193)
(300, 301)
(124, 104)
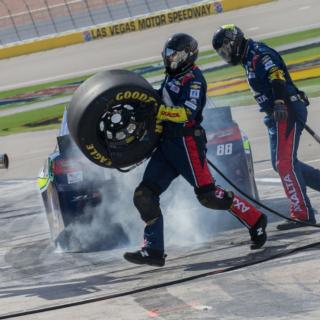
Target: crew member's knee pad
(214, 197)
(146, 201)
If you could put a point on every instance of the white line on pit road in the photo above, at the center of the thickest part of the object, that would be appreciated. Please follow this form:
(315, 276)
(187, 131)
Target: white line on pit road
(253, 28)
(271, 169)
(304, 8)
(268, 180)
(80, 73)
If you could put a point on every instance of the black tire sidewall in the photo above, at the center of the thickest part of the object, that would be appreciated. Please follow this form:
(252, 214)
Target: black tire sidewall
(83, 122)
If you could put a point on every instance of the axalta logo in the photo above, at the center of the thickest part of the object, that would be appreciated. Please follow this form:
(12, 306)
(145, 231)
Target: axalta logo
(261, 99)
(134, 95)
(240, 205)
(292, 192)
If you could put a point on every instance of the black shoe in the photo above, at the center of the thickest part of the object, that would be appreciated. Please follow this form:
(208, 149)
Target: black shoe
(288, 224)
(258, 233)
(146, 256)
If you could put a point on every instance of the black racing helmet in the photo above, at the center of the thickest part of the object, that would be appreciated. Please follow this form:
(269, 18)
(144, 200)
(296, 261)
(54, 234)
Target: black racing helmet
(179, 54)
(229, 42)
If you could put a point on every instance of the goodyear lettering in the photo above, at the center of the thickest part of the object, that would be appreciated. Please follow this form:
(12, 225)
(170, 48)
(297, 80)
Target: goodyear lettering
(98, 156)
(135, 95)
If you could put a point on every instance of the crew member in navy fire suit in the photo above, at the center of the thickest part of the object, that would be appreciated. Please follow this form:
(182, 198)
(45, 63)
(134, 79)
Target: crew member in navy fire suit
(286, 114)
(182, 151)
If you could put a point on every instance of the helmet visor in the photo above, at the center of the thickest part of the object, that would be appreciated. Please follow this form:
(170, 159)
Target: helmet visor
(168, 52)
(173, 58)
(225, 51)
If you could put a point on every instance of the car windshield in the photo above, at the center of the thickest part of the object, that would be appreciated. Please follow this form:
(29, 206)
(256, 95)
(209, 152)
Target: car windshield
(64, 130)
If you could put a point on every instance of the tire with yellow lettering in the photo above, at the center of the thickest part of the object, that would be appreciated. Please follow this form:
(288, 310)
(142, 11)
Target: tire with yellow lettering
(111, 117)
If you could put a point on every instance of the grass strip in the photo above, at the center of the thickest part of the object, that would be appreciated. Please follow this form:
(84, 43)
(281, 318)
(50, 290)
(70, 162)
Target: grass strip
(310, 86)
(204, 58)
(34, 120)
(30, 89)
(210, 56)
(50, 117)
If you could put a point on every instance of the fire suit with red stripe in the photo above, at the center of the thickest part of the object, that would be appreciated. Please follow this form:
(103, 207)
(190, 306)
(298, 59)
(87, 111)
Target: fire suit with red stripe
(263, 66)
(182, 151)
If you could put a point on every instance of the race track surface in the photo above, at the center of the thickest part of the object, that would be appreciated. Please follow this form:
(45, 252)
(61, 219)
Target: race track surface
(35, 276)
(215, 277)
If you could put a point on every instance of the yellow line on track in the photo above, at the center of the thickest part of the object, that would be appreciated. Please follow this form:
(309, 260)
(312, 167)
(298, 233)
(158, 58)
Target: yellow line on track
(240, 84)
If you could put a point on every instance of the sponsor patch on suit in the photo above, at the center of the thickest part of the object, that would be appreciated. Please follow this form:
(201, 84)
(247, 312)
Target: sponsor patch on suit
(269, 65)
(174, 88)
(190, 105)
(194, 94)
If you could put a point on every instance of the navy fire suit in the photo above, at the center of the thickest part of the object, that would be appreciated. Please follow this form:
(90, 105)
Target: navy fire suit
(182, 151)
(263, 65)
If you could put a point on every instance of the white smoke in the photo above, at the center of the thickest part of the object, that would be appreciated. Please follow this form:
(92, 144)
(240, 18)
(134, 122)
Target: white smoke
(185, 220)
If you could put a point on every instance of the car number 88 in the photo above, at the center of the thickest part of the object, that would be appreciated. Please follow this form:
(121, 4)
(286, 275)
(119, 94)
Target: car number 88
(224, 149)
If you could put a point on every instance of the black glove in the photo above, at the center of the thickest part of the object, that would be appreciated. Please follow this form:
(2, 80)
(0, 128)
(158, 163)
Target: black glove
(304, 97)
(280, 112)
(143, 112)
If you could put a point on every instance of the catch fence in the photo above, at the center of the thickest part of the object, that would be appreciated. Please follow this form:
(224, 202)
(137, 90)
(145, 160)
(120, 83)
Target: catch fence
(28, 19)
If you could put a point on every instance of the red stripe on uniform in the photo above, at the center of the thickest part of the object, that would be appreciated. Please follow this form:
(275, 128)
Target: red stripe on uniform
(245, 211)
(201, 171)
(285, 148)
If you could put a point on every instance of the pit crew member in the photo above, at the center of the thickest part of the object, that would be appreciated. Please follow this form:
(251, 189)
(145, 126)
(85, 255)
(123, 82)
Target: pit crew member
(182, 151)
(286, 114)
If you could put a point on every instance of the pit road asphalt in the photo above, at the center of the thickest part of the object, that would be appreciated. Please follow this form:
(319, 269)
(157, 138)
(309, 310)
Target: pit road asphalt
(33, 275)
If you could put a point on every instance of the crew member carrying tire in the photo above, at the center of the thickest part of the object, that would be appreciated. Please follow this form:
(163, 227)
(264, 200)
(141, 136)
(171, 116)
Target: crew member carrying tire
(182, 151)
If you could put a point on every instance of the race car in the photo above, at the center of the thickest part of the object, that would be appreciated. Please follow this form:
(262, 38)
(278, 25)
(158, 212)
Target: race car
(228, 148)
(72, 189)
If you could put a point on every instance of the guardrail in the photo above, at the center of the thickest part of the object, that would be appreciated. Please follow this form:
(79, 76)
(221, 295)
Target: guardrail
(26, 19)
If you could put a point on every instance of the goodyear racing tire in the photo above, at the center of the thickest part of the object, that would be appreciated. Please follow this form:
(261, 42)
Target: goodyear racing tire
(104, 118)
